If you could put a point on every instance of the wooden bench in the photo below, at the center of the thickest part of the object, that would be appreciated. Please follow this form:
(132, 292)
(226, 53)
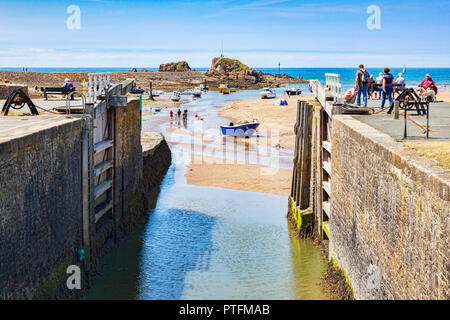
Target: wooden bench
(398, 88)
(57, 90)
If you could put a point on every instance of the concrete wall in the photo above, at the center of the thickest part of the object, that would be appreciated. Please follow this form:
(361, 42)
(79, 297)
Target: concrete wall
(40, 210)
(390, 216)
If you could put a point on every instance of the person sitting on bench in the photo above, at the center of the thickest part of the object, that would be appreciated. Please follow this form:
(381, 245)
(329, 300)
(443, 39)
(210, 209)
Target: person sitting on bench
(67, 83)
(400, 80)
(428, 89)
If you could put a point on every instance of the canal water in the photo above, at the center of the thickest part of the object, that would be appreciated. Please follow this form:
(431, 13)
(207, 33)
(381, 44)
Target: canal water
(210, 243)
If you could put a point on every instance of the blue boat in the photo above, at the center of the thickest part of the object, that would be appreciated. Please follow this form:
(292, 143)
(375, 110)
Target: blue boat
(137, 91)
(241, 130)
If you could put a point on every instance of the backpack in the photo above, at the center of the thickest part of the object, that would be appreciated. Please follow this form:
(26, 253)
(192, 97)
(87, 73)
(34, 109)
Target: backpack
(365, 76)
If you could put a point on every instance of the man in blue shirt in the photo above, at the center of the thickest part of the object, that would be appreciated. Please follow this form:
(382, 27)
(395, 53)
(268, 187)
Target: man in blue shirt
(361, 85)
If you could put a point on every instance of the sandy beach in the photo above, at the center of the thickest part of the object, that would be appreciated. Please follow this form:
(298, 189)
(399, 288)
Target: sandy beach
(443, 96)
(238, 175)
(272, 118)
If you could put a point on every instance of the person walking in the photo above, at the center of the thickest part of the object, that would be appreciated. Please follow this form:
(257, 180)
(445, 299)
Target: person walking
(179, 114)
(171, 114)
(388, 81)
(379, 83)
(372, 87)
(361, 85)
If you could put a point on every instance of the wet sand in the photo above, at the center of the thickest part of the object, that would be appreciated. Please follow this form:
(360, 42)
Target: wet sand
(272, 118)
(277, 123)
(239, 175)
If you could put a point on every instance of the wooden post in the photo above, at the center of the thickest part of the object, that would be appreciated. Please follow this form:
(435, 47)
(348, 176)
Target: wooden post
(305, 168)
(151, 90)
(396, 109)
(405, 134)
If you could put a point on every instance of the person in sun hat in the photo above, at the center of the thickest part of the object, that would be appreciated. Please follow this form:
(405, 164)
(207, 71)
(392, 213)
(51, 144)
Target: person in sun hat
(67, 83)
(428, 89)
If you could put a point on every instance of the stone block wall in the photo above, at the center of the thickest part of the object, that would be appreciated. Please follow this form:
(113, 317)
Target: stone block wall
(390, 216)
(40, 211)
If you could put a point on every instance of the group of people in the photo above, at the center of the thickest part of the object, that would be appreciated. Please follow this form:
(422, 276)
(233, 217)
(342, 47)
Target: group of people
(385, 86)
(185, 114)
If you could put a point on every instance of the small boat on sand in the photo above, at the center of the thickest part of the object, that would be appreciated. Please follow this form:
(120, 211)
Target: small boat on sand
(175, 96)
(224, 89)
(197, 93)
(157, 93)
(245, 129)
(137, 91)
(293, 91)
(267, 93)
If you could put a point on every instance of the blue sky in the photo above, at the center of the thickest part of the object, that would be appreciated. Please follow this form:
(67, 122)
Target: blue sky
(261, 33)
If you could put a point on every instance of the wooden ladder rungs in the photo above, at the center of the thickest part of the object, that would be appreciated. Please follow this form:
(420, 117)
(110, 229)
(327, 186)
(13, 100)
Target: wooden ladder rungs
(102, 167)
(327, 187)
(327, 167)
(326, 228)
(102, 146)
(102, 188)
(106, 207)
(326, 206)
(327, 146)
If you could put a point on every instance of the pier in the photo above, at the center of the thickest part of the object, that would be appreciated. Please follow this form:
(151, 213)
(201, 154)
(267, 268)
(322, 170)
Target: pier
(380, 205)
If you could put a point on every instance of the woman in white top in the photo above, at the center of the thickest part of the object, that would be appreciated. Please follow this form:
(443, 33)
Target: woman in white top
(379, 81)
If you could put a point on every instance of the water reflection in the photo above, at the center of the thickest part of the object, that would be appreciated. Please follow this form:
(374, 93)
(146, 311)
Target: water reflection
(176, 242)
(212, 243)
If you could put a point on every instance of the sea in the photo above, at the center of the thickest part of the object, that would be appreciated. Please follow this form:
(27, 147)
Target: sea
(413, 76)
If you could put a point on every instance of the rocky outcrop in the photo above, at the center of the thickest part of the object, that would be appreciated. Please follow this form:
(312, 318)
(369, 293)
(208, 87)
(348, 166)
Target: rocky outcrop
(236, 74)
(181, 66)
(233, 69)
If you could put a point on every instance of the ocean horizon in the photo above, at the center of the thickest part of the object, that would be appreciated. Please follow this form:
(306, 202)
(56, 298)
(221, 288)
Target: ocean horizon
(413, 76)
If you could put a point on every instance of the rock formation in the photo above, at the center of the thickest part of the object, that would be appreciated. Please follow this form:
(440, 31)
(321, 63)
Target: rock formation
(180, 66)
(233, 69)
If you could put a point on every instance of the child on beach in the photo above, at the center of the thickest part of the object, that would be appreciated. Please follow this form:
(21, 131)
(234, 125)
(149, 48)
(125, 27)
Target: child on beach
(171, 114)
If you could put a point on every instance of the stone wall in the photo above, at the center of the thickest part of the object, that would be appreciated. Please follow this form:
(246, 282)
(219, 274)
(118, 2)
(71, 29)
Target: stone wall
(390, 216)
(156, 161)
(41, 199)
(40, 210)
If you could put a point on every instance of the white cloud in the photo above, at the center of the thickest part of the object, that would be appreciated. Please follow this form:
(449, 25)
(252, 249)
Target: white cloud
(38, 57)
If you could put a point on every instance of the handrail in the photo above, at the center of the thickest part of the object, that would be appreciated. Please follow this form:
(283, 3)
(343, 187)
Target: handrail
(70, 95)
(97, 82)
